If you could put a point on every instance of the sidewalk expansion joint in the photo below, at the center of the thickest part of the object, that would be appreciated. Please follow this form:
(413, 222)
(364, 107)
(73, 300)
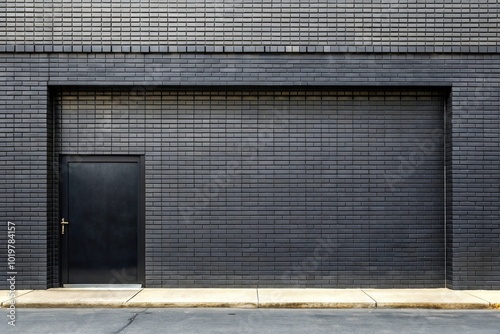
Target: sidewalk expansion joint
(138, 292)
(490, 304)
(376, 305)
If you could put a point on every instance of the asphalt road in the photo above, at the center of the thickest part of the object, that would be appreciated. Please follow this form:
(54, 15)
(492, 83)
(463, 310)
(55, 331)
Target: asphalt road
(199, 321)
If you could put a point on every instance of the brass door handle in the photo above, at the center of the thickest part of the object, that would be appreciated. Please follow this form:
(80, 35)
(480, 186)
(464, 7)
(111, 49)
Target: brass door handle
(62, 225)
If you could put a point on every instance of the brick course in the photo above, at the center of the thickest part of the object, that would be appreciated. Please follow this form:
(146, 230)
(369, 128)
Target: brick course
(290, 25)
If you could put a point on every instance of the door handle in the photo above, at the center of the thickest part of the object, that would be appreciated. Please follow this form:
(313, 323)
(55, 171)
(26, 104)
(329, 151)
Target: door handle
(62, 225)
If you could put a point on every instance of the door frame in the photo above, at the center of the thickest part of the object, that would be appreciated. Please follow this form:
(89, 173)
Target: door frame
(64, 159)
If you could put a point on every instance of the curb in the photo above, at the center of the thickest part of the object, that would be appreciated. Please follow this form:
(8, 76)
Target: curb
(438, 299)
(265, 306)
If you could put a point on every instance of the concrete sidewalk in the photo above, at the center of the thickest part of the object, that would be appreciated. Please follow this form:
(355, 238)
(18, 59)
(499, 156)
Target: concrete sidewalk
(256, 298)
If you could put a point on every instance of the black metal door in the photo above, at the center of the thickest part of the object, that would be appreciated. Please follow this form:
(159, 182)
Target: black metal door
(100, 220)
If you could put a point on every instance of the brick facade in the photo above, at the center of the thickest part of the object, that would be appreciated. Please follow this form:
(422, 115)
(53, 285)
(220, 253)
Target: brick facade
(47, 55)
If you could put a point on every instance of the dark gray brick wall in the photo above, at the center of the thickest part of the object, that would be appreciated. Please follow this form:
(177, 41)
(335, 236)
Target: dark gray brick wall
(476, 184)
(277, 188)
(288, 25)
(23, 165)
(473, 155)
(449, 191)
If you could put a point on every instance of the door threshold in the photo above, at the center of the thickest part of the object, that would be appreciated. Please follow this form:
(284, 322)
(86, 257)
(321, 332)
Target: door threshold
(103, 286)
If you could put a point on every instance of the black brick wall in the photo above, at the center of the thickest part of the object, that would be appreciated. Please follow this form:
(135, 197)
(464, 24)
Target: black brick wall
(277, 188)
(256, 26)
(472, 160)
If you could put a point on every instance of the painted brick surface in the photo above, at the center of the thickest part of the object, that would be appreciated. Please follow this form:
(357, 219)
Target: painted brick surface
(23, 152)
(289, 25)
(280, 188)
(474, 101)
(424, 44)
